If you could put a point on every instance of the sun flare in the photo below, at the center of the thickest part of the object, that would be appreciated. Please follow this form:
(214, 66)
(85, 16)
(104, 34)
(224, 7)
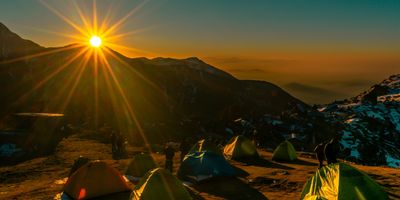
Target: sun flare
(95, 41)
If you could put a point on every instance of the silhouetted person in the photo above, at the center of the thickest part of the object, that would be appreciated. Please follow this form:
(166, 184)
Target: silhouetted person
(319, 150)
(169, 156)
(120, 142)
(331, 150)
(114, 143)
(184, 148)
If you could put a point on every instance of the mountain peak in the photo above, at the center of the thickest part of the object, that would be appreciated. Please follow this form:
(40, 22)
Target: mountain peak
(12, 45)
(4, 27)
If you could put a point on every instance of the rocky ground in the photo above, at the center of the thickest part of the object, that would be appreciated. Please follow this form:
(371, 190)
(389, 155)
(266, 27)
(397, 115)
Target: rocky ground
(42, 178)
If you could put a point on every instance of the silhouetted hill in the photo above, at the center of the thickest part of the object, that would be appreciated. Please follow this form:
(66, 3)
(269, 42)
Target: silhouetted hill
(11, 45)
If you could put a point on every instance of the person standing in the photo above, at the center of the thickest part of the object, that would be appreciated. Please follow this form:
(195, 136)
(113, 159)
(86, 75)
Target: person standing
(114, 146)
(169, 157)
(331, 150)
(319, 150)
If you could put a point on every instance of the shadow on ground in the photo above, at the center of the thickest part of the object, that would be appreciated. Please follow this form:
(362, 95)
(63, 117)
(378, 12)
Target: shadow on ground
(261, 162)
(299, 162)
(228, 188)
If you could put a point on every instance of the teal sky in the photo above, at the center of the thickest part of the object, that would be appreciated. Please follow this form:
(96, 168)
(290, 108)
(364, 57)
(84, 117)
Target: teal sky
(321, 45)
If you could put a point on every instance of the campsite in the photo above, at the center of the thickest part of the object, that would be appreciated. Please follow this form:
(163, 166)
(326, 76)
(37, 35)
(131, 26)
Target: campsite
(199, 100)
(44, 177)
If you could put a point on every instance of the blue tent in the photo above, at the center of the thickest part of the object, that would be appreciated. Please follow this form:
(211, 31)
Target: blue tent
(200, 166)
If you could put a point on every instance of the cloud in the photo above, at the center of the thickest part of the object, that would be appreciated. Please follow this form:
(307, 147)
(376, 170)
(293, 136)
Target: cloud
(249, 70)
(351, 83)
(259, 61)
(312, 94)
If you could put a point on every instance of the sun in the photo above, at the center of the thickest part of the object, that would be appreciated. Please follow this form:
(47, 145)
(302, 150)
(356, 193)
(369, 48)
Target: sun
(95, 41)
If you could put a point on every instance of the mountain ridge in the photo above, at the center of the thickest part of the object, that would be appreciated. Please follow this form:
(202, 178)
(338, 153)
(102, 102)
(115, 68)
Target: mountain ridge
(371, 123)
(182, 93)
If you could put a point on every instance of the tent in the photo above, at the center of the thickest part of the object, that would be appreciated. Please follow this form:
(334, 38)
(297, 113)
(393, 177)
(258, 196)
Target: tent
(341, 181)
(204, 165)
(284, 152)
(159, 184)
(205, 145)
(240, 147)
(94, 179)
(140, 165)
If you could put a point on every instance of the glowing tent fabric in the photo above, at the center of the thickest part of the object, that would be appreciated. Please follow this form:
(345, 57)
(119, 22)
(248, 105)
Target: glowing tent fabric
(201, 166)
(159, 184)
(140, 165)
(284, 152)
(94, 179)
(240, 147)
(339, 182)
(205, 145)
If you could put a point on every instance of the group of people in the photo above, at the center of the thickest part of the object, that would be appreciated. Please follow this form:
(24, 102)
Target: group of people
(327, 150)
(169, 152)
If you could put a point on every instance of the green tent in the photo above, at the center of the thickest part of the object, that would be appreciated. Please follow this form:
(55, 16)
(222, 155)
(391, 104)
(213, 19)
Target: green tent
(159, 184)
(284, 152)
(240, 147)
(205, 145)
(140, 165)
(204, 165)
(341, 181)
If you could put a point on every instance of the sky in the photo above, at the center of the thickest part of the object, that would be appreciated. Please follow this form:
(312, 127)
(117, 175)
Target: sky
(317, 50)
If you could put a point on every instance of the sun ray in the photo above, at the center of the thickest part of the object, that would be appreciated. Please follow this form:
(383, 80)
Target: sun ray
(82, 16)
(96, 88)
(65, 19)
(94, 18)
(35, 55)
(125, 99)
(132, 69)
(107, 18)
(122, 35)
(116, 25)
(51, 75)
(81, 68)
(94, 31)
(126, 48)
(75, 37)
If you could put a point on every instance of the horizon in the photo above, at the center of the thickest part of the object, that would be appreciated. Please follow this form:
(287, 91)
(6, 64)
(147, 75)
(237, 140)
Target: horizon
(326, 56)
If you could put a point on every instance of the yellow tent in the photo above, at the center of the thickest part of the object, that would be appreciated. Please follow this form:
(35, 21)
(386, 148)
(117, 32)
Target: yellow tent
(140, 165)
(94, 179)
(340, 182)
(284, 152)
(159, 184)
(240, 147)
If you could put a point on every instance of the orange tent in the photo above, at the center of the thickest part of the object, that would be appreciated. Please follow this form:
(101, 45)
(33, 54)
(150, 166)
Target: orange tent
(95, 179)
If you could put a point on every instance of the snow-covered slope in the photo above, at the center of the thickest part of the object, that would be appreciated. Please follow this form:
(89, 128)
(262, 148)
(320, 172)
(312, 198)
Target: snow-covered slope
(371, 133)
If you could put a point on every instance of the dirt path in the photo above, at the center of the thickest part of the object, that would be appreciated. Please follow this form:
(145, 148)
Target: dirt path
(39, 178)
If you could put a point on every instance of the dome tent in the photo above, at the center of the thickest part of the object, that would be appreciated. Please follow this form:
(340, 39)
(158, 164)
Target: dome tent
(140, 164)
(94, 179)
(204, 165)
(284, 152)
(341, 181)
(159, 184)
(240, 147)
